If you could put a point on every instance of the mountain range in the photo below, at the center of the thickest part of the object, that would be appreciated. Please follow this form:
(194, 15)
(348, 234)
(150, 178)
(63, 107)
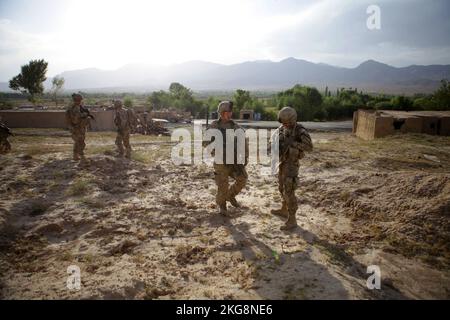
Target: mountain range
(263, 75)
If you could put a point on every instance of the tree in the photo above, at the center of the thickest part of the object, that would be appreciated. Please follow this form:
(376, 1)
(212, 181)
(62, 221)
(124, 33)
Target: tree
(180, 92)
(320, 115)
(128, 102)
(31, 78)
(305, 100)
(332, 108)
(383, 105)
(402, 103)
(442, 96)
(241, 97)
(57, 86)
(159, 100)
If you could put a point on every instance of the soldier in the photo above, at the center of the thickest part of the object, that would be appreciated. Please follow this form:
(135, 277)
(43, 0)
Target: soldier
(294, 140)
(145, 120)
(77, 118)
(223, 171)
(5, 132)
(125, 121)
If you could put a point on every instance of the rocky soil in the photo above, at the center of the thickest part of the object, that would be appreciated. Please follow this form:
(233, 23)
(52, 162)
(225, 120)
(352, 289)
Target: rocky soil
(148, 229)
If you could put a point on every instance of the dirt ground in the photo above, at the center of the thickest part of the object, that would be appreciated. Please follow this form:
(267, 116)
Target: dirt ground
(148, 229)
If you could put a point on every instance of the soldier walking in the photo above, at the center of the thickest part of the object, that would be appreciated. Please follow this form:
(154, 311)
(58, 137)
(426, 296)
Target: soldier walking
(224, 171)
(294, 141)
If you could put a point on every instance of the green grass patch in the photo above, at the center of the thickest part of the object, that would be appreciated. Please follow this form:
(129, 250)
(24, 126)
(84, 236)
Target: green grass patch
(79, 187)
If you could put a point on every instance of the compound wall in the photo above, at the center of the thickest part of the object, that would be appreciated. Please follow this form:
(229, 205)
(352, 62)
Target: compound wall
(104, 120)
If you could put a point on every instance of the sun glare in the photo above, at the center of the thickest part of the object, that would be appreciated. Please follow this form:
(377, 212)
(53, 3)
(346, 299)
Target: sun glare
(113, 33)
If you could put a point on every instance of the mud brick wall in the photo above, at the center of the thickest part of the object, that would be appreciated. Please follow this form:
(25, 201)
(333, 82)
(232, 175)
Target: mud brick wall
(412, 124)
(365, 124)
(104, 121)
(355, 121)
(384, 126)
(170, 115)
(430, 125)
(34, 119)
(445, 126)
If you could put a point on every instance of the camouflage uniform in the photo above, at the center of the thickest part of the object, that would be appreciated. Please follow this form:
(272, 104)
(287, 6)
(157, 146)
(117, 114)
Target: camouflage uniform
(5, 132)
(222, 172)
(125, 120)
(77, 118)
(142, 123)
(293, 142)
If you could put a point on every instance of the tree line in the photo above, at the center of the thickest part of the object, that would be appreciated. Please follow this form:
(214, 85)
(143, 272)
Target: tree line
(310, 103)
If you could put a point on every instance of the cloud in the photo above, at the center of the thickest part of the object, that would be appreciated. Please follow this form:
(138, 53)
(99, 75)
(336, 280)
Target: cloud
(109, 34)
(336, 31)
(15, 46)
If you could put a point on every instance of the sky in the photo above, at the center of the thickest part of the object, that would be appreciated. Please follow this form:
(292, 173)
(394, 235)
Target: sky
(108, 34)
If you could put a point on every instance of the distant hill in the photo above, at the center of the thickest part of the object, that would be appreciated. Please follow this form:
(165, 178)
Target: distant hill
(370, 76)
(4, 87)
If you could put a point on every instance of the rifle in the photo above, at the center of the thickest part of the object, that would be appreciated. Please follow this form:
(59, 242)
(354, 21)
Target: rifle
(284, 146)
(86, 110)
(283, 149)
(5, 128)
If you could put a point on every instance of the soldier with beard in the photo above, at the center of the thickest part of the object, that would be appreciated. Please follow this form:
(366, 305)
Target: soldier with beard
(223, 171)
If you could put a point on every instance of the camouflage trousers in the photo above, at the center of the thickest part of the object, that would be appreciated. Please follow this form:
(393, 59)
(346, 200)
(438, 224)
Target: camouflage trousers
(5, 146)
(287, 184)
(78, 137)
(123, 140)
(222, 173)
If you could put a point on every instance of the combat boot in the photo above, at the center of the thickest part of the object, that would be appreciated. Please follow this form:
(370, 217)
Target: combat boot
(83, 161)
(233, 201)
(223, 210)
(283, 212)
(291, 223)
(76, 157)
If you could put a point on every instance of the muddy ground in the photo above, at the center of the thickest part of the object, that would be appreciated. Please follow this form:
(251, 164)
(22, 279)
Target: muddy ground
(147, 229)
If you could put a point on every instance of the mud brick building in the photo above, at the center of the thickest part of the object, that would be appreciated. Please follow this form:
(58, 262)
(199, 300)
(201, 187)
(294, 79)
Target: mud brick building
(371, 124)
(246, 115)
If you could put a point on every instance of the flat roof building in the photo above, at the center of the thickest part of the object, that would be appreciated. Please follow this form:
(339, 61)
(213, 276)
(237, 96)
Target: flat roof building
(372, 124)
